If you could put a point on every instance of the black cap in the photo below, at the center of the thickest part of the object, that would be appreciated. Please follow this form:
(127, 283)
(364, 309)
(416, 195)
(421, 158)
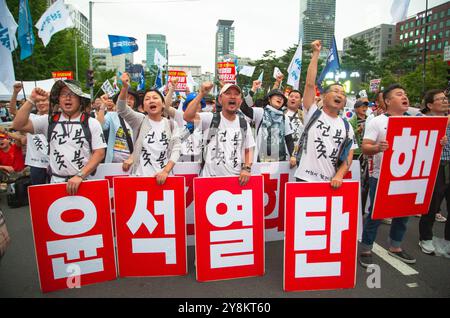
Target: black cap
(360, 103)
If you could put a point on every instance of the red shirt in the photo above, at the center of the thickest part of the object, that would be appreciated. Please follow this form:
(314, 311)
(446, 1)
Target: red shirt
(13, 158)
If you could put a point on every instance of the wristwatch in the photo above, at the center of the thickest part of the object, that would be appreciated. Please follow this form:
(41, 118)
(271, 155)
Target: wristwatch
(80, 174)
(246, 168)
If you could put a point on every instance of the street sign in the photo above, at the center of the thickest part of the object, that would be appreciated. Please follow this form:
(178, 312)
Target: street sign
(447, 53)
(63, 75)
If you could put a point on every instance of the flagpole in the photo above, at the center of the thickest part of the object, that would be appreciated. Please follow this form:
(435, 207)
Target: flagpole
(90, 45)
(21, 81)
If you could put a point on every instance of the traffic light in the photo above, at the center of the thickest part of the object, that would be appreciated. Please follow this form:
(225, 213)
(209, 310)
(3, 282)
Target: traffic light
(90, 78)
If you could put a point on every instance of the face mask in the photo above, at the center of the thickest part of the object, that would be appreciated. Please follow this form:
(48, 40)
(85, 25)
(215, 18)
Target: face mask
(207, 109)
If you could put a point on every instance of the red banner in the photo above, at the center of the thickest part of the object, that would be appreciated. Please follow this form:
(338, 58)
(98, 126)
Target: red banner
(182, 80)
(63, 75)
(409, 167)
(320, 236)
(229, 228)
(72, 235)
(227, 72)
(151, 227)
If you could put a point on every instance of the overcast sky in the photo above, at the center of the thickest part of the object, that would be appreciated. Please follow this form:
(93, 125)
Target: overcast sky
(260, 25)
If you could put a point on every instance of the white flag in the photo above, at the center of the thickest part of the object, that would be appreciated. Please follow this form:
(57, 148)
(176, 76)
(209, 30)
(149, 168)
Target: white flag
(247, 70)
(191, 83)
(108, 89)
(261, 76)
(276, 72)
(159, 60)
(8, 43)
(55, 19)
(399, 10)
(295, 68)
(7, 38)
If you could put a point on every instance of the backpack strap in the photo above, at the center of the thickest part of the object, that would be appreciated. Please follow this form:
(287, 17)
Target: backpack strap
(303, 141)
(84, 120)
(127, 134)
(215, 122)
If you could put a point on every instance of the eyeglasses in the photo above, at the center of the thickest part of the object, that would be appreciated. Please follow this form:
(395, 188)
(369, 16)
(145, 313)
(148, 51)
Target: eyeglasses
(69, 94)
(442, 99)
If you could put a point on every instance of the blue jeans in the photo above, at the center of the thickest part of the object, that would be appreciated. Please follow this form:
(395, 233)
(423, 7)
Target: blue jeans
(398, 227)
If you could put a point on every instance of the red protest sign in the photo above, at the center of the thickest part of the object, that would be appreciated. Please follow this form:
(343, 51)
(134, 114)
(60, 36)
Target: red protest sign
(320, 236)
(63, 75)
(182, 80)
(150, 226)
(229, 228)
(227, 72)
(409, 167)
(72, 235)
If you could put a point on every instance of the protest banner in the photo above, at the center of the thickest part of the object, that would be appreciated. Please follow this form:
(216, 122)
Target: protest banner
(182, 79)
(150, 226)
(409, 166)
(72, 235)
(321, 236)
(229, 228)
(375, 85)
(227, 72)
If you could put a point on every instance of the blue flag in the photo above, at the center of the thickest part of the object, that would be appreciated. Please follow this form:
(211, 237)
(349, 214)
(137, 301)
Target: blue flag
(159, 80)
(122, 44)
(141, 85)
(332, 63)
(26, 37)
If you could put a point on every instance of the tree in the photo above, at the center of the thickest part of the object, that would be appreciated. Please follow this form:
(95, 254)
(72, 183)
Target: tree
(358, 58)
(59, 55)
(397, 61)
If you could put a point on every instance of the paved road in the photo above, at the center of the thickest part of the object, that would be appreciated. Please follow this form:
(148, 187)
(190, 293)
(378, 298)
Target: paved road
(19, 277)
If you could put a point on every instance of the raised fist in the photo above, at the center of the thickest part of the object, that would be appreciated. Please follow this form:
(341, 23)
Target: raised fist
(316, 46)
(256, 85)
(280, 77)
(17, 87)
(125, 78)
(174, 82)
(39, 95)
(206, 88)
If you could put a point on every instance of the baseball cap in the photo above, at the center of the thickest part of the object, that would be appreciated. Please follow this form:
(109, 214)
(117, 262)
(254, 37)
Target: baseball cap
(361, 103)
(226, 87)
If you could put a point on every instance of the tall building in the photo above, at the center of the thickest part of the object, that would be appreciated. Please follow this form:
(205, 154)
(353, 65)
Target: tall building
(434, 30)
(380, 38)
(104, 61)
(317, 18)
(155, 41)
(224, 40)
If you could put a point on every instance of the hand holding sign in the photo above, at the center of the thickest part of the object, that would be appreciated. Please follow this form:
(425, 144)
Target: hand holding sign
(17, 88)
(256, 85)
(383, 146)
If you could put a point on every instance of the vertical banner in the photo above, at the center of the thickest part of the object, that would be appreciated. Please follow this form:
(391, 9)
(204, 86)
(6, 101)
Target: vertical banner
(409, 167)
(229, 228)
(150, 226)
(320, 241)
(182, 80)
(227, 72)
(72, 235)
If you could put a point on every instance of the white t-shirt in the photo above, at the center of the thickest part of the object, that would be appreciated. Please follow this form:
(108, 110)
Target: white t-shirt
(192, 145)
(227, 159)
(376, 131)
(325, 138)
(155, 148)
(295, 124)
(69, 148)
(37, 149)
(261, 141)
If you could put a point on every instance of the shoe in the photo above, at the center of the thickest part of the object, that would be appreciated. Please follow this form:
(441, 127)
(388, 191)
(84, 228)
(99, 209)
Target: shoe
(387, 221)
(440, 218)
(427, 247)
(366, 260)
(403, 256)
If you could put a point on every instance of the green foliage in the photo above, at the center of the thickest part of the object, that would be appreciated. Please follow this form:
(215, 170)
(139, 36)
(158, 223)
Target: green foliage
(59, 55)
(358, 58)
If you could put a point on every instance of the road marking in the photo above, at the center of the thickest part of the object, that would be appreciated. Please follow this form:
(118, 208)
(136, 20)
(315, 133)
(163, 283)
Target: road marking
(397, 264)
(412, 285)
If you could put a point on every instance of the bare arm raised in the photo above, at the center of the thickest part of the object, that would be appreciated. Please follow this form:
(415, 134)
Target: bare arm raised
(310, 86)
